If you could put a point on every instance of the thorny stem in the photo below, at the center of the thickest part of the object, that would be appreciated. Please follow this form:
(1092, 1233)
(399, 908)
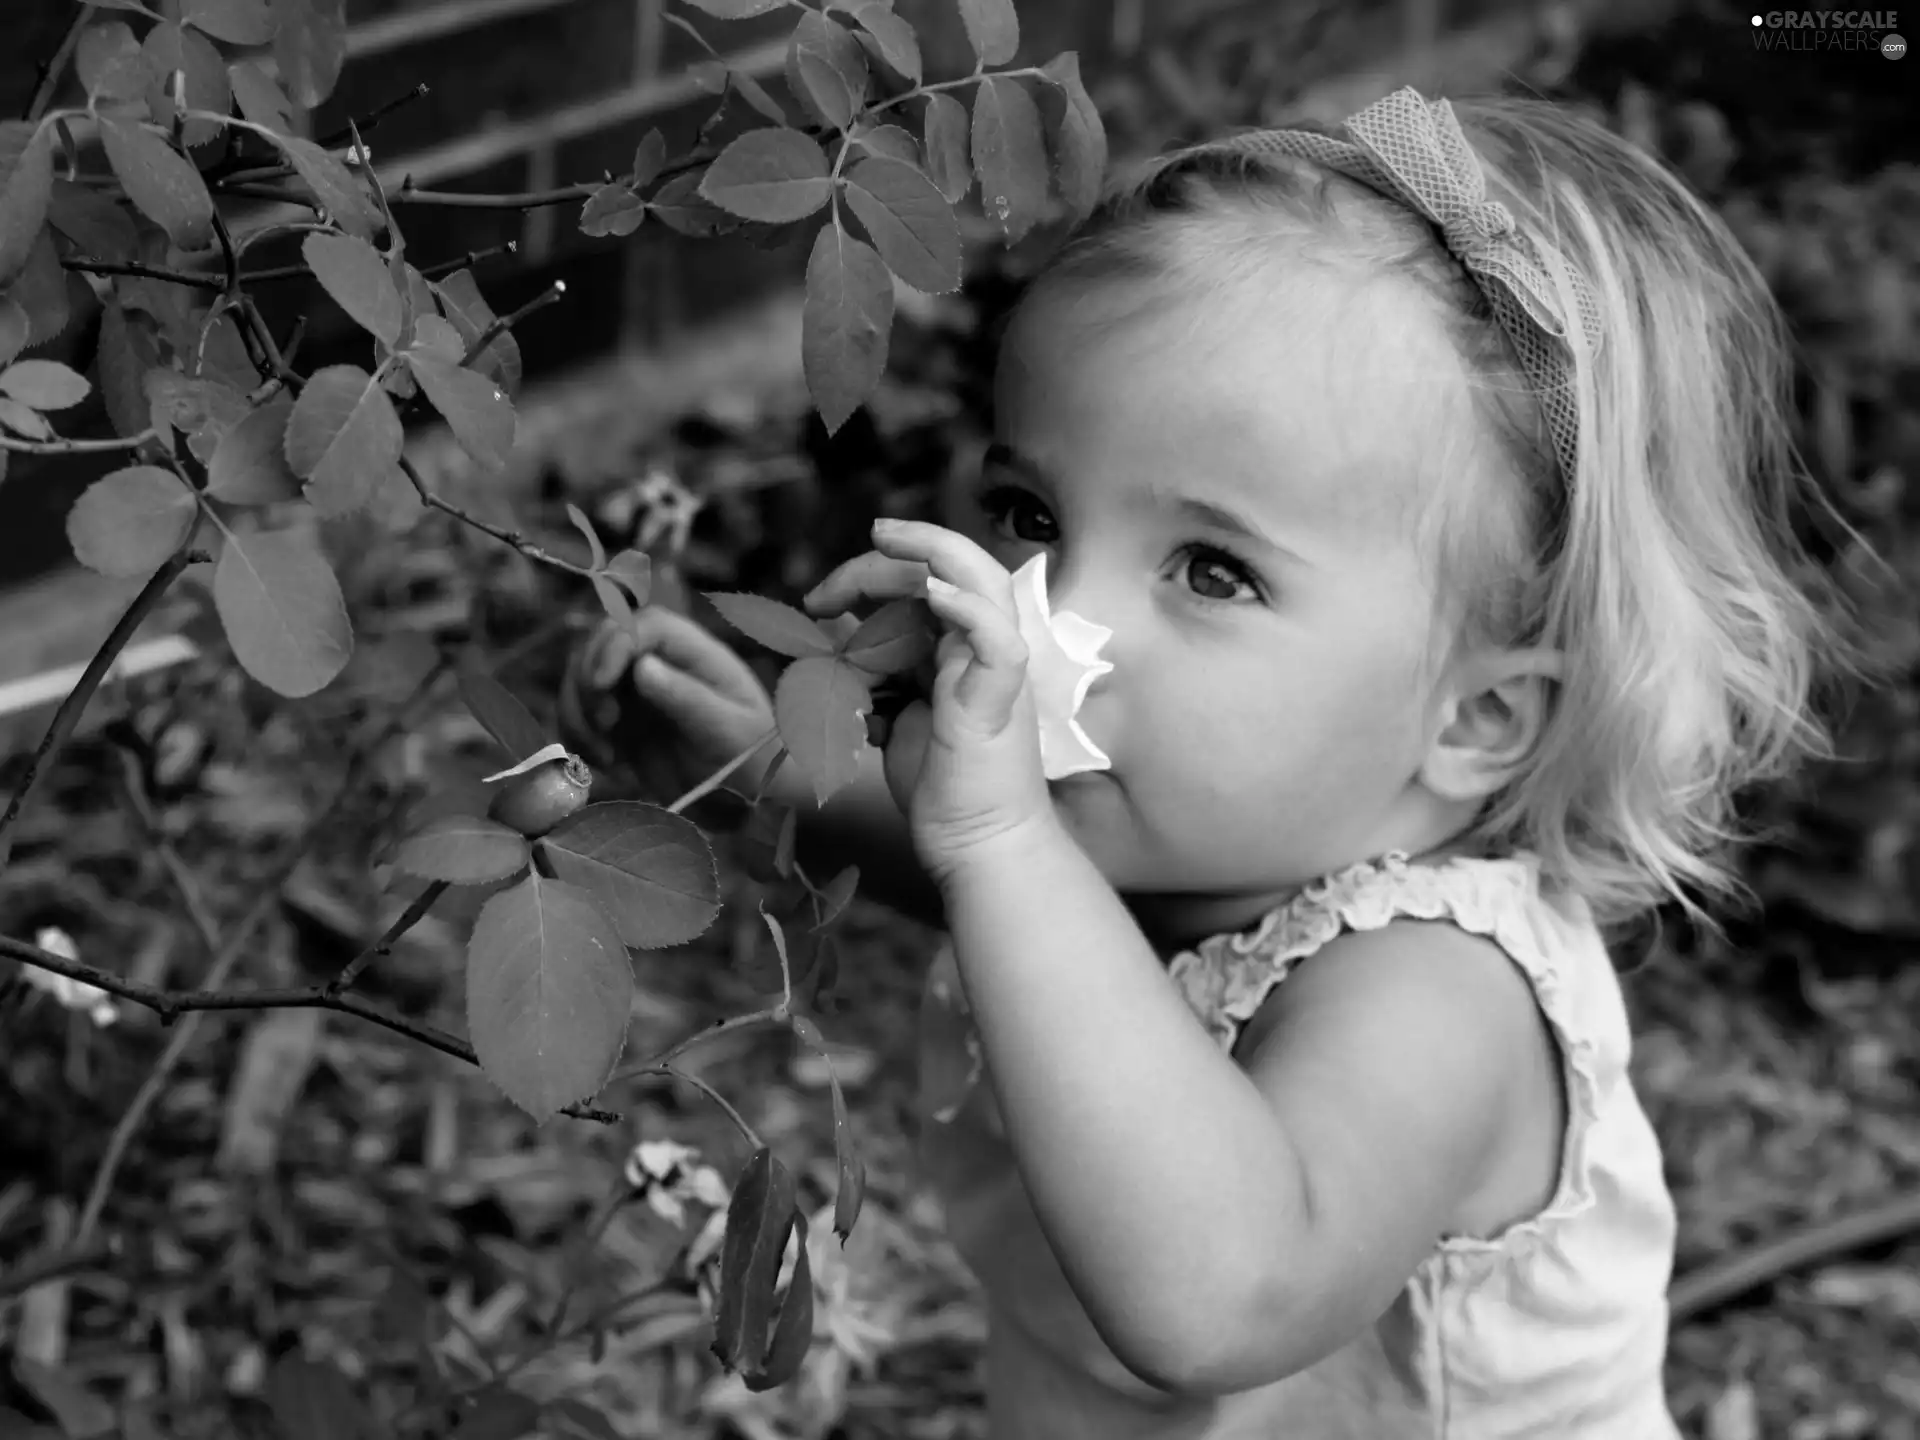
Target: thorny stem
(200, 281)
(75, 447)
(71, 708)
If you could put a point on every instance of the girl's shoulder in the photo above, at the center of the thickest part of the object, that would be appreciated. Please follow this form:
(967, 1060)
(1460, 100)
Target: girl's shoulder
(1549, 937)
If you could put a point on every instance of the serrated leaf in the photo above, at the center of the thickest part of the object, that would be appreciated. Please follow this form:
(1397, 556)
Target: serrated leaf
(736, 9)
(281, 606)
(475, 407)
(110, 63)
(845, 323)
(891, 141)
(170, 49)
(314, 1402)
(342, 197)
(355, 275)
(613, 209)
(756, 95)
(260, 97)
(777, 626)
(911, 223)
(677, 204)
(759, 1218)
(24, 420)
(613, 600)
(544, 755)
(793, 1331)
(1009, 155)
(549, 994)
(15, 329)
(343, 439)
(160, 181)
(772, 175)
(202, 77)
(464, 850)
(826, 69)
(126, 352)
(94, 221)
(127, 523)
(238, 22)
(501, 714)
(892, 35)
(436, 337)
(634, 570)
(309, 45)
(945, 137)
(597, 553)
(249, 465)
(649, 159)
(851, 1192)
(1076, 136)
(505, 1415)
(26, 185)
(204, 408)
(651, 870)
(40, 289)
(836, 895)
(993, 28)
(470, 314)
(819, 705)
(893, 640)
(44, 384)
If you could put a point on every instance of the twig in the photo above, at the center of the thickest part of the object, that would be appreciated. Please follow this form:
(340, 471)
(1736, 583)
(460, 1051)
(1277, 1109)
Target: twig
(503, 323)
(74, 447)
(470, 259)
(717, 1098)
(524, 200)
(87, 264)
(718, 778)
(661, 1063)
(519, 542)
(57, 66)
(410, 917)
(68, 715)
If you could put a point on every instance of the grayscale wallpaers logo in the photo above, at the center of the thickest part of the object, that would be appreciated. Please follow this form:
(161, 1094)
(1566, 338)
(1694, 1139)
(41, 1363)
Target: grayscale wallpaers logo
(1866, 30)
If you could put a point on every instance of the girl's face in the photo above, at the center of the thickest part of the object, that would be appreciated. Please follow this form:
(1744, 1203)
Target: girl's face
(1234, 486)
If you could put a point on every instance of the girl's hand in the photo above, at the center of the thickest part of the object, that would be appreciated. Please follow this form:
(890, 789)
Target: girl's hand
(682, 693)
(966, 768)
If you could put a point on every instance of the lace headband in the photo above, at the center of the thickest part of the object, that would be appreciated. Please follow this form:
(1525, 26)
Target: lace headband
(1415, 153)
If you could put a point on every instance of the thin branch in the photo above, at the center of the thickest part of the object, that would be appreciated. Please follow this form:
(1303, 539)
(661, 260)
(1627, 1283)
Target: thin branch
(57, 66)
(201, 281)
(719, 777)
(660, 1063)
(470, 259)
(503, 323)
(517, 541)
(68, 715)
(717, 1098)
(524, 200)
(74, 447)
(410, 917)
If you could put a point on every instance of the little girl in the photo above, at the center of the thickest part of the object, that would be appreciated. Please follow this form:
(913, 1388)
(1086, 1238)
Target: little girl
(1430, 473)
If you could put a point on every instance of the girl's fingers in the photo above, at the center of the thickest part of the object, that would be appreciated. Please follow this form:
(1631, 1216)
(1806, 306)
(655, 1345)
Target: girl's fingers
(871, 576)
(689, 646)
(990, 681)
(949, 555)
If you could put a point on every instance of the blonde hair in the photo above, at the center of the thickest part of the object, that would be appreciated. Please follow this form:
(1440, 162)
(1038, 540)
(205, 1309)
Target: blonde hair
(1666, 571)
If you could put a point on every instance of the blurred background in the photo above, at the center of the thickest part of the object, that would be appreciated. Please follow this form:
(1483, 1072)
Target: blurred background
(315, 1185)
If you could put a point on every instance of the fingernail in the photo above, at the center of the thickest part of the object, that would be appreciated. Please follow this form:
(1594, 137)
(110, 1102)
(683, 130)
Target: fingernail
(883, 525)
(937, 586)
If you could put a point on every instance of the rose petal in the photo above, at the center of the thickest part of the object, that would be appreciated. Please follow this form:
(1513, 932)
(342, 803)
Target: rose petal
(1062, 665)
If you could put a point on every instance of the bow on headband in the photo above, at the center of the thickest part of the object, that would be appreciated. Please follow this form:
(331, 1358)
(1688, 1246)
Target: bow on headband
(1414, 152)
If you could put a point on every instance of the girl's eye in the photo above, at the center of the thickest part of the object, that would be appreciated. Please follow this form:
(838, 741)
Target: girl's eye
(1207, 567)
(1004, 505)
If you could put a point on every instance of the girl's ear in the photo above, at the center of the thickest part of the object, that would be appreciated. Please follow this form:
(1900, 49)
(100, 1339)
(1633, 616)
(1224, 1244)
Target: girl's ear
(1499, 710)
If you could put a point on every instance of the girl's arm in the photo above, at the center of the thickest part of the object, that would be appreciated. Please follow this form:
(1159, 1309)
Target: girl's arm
(1222, 1227)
